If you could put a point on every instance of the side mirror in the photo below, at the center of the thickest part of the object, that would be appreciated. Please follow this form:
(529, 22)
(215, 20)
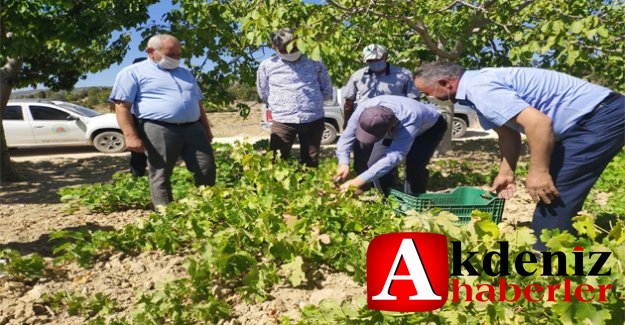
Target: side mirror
(72, 118)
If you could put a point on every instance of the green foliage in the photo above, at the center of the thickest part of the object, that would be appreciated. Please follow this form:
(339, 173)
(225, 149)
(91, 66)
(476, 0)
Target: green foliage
(124, 193)
(93, 97)
(610, 185)
(452, 173)
(30, 267)
(79, 246)
(97, 98)
(170, 305)
(78, 305)
(612, 178)
(584, 38)
(60, 41)
(481, 237)
(253, 231)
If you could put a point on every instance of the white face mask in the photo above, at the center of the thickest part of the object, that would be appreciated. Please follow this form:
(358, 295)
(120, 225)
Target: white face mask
(290, 56)
(168, 63)
(437, 101)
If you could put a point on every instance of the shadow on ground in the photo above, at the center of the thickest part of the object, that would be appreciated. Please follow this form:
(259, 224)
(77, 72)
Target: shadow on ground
(44, 245)
(41, 180)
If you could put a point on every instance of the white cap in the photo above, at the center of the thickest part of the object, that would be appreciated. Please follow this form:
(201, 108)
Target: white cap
(373, 52)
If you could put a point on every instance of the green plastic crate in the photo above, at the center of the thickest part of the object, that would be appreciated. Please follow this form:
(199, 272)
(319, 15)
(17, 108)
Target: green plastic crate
(461, 202)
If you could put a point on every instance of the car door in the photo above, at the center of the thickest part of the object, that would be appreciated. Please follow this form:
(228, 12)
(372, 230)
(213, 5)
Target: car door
(17, 129)
(55, 126)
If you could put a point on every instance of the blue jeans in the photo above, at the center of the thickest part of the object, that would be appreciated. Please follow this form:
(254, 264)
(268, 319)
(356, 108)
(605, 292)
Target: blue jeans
(417, 159)
(578, 160)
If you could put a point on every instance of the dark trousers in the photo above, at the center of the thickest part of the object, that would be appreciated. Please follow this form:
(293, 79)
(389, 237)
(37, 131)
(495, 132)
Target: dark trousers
(309, 135)
(164, 144)
(577, 161)
(138, 163)
(417, 159)
(138, 160)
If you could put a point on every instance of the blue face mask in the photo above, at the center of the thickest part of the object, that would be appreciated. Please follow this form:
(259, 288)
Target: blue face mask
(377, 66)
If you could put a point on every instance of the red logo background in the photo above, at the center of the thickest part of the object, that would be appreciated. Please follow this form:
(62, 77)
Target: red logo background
(432, 250)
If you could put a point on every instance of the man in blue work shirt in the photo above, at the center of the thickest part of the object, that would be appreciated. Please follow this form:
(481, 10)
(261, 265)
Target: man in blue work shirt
(408, 129)
(378, 78)
(573, 129)
(172, 123)
(294, 88)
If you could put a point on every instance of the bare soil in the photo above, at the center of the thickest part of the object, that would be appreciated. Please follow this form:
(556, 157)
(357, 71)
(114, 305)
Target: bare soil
(30, 210)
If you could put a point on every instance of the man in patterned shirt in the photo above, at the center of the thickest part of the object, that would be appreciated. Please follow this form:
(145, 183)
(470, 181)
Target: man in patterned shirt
(294, 88)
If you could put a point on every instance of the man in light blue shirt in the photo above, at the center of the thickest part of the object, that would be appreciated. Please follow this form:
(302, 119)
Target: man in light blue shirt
(294, 88)
(165, 99)
(573, 128)
(408, 129)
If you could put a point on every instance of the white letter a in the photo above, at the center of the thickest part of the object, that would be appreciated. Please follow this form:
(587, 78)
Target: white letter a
(408, 251)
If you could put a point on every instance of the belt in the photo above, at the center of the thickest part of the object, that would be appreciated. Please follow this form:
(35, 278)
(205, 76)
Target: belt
(606, 101)
(163, 123)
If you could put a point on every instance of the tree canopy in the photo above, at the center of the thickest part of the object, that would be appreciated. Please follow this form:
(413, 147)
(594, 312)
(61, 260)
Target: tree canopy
(585, 38)
(56, 42)
(60, 41)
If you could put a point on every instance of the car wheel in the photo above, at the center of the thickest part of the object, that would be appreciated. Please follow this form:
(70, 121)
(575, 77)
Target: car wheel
(329, 134)
(109, 142)
(459, 127)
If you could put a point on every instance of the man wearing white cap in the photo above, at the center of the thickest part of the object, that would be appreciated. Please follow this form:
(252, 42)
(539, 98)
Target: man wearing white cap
(378, 78)
(394, 128)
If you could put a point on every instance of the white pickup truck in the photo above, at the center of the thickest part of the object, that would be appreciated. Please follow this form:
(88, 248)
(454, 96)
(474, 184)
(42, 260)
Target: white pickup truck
(44, 122)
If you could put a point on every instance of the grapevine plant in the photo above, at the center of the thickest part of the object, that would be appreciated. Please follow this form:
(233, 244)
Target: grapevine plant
(269, 223)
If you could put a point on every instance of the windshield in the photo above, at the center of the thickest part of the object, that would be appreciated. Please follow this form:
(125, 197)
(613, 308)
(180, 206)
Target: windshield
(81, 110)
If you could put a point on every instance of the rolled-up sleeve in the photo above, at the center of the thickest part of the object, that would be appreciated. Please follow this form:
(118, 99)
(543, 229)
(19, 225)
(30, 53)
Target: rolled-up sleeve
(349, 91)
(346, 141)
(262, 83)
(125, 87)
(395, 153)
(325, 81)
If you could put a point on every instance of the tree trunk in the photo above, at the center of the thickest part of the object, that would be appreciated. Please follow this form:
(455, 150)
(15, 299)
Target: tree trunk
(8, 75)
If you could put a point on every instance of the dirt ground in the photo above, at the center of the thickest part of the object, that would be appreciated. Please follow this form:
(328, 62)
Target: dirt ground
(30, 210)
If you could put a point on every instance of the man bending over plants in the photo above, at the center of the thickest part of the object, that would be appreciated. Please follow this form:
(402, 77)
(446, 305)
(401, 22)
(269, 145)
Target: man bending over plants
(573, 128)
(408, 129)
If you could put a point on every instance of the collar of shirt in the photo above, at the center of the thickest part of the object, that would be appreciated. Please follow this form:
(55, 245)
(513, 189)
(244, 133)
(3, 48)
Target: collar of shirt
(461, 92)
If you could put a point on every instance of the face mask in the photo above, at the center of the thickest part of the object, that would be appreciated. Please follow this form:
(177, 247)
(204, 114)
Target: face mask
(168, 63)
(437, 101)
(290, 56)
(377, 66)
